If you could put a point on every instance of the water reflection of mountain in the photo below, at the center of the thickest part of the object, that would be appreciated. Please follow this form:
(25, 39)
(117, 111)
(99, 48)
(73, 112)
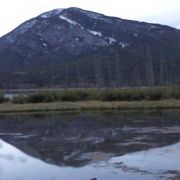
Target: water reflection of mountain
(78, 138)
(154, 164)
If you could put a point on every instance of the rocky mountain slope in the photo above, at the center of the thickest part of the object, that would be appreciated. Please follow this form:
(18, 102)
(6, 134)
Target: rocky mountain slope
(77, 48)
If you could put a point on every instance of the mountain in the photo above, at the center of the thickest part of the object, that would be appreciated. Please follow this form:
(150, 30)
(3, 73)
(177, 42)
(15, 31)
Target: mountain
(78, 48)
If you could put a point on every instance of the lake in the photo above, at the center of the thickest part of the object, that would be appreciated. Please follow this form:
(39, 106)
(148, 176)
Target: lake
(97, 145)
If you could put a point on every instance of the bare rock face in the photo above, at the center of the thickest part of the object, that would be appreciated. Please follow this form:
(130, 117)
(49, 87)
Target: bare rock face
(73, 47)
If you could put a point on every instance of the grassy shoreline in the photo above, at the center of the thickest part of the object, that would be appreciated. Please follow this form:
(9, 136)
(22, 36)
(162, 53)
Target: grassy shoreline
(90, 105)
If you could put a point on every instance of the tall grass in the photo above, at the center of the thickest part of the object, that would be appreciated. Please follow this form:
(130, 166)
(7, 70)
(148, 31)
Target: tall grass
(127, 94)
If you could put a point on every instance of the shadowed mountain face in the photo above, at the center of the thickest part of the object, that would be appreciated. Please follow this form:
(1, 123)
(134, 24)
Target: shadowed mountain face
(77, 48)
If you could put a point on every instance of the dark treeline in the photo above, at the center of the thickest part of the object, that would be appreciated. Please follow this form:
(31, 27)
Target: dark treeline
(147, 65)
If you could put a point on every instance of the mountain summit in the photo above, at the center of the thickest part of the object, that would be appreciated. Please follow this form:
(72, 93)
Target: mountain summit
(78, 48)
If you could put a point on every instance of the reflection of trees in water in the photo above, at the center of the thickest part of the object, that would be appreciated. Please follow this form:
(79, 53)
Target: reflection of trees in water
(67, 139)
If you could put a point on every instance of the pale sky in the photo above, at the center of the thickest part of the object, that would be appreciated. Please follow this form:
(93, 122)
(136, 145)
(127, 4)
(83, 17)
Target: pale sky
(15, 12)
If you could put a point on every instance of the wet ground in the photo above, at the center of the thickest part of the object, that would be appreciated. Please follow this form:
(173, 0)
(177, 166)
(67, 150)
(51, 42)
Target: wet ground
(90, 146)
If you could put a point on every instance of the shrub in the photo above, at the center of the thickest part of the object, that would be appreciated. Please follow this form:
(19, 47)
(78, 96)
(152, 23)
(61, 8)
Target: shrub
(128, 94)
(107, 95)
(72, 95)
(50, 96)
(19, 100)
(172, 92)
(36, 98)
(92, 94)
(152, 94)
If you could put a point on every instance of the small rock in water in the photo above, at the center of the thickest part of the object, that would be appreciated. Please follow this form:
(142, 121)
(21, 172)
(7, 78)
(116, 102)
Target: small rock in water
(93, 179)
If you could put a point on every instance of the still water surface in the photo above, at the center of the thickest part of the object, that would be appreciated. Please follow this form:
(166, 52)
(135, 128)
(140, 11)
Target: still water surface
(127, 145)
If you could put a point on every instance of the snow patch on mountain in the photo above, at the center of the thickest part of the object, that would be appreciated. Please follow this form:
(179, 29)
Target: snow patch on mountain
(110, 40)
(51, 13)
(44, 44)
(96, 33)
(135, 34)
(20, 30)
(68, 20)
(123, 44)
(27, 25)
(90, 14)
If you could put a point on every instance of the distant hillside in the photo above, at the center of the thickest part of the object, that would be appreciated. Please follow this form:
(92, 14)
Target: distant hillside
(77, 48)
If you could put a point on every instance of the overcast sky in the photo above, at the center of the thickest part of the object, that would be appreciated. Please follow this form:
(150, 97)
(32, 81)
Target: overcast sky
(15, 12)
